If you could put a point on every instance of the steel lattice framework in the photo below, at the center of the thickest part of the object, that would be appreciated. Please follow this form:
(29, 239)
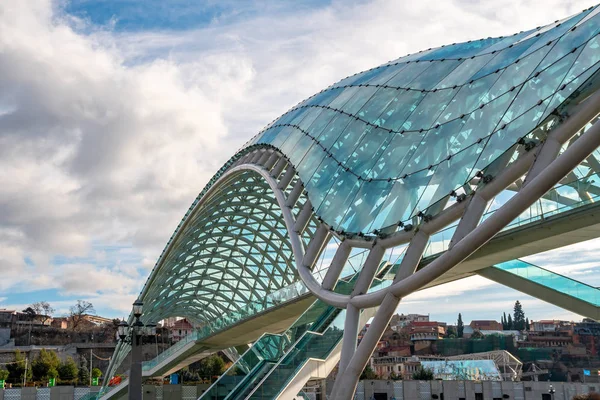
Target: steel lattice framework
(464, 139)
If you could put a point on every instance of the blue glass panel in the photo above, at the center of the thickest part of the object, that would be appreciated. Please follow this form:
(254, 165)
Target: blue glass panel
(321, 122)
(408, 74)
(269, 135)
(367, 152)
(282, 136)
(293, 137)
(557, 31)
(339, 198)
(505, 57)
(396, 154)
(503, 138)
(436, 145)
(311, 162)
(318, 185)
(346, 142)
(540, 87)
(518, 73)
(461, 50)
(449, 175)
(464, 72)
(468, 98)
(300, 149)
(435, 73)
(377, 104)
(359, 99)
(429, 109)
(573, 39)
(343, 98)
(402, 200)
(311, 115)
(386, 74)
(323, 98)
(400, 108)
(366, 205)
(330, 134)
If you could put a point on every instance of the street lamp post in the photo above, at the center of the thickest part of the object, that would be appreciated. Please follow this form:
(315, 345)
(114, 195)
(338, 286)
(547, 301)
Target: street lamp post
(133, 334)
(551, 390)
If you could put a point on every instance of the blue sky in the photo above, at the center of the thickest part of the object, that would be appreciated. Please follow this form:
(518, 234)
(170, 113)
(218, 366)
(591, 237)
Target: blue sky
(115, 113)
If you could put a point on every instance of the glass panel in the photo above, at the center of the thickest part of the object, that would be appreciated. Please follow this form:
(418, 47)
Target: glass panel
(366, 205)
(505, 58)
(468, 98)
(369, 150)
(346, 142)
(436, 72)
(359, 99)
(572, 39)
(396, 155)
(464, 72)
(402, 200)
(378, 103)
(322, 180)
(400, 108)
(408, 74)
(429, 109)
(338, 199)
(461, 50)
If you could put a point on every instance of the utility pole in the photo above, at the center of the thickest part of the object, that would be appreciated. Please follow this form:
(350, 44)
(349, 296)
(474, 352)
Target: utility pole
(25, 374)
(91, 361)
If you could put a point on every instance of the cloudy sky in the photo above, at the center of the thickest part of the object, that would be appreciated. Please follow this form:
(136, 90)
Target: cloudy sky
(115, 113)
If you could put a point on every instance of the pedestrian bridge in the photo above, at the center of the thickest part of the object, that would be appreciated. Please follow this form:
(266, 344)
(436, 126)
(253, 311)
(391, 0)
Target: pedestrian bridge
(440, 165)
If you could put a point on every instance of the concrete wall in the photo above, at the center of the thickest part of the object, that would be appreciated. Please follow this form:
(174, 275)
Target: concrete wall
(468, 390)
(367, 390)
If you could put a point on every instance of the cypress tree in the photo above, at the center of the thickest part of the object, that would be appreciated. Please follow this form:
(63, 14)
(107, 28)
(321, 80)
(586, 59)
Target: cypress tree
(460, 327)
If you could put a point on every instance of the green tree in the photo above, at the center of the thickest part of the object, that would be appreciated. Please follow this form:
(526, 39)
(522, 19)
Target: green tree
(509, 323)
(46, 361)
(460, 327)
(83, 375)
(477, 335)
(423, 374)
(211, 366)
(451, 332)
(518, 316)
(4, 374)
(67, 371)
(17, 368)
(526, 324)
(504, 322)
(96, 373)
(368, 373)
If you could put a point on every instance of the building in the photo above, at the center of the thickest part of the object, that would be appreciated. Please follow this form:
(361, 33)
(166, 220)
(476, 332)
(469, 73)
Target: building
(486, 325)
(403, 367)
(180, 329)
(399, 321)
(548, 325)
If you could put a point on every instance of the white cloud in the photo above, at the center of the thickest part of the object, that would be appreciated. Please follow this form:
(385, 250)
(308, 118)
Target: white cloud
(106, 138)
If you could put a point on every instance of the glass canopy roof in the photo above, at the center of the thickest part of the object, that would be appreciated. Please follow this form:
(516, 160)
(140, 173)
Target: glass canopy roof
(378, 147)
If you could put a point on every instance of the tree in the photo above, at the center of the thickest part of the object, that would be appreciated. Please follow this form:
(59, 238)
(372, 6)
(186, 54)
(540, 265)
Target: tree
(43, 310)
(526, 324)
(509, 323)
(477, 335)
(211, 366)
(17, 368)
(451, 332)
(423, 374)
(96, 373)
(460, 327)
(83, 375)
(4, 375)
(67, 371)
(368, 373)
(504, 322)
(79, 311)
(518, 316)
(45, 362)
